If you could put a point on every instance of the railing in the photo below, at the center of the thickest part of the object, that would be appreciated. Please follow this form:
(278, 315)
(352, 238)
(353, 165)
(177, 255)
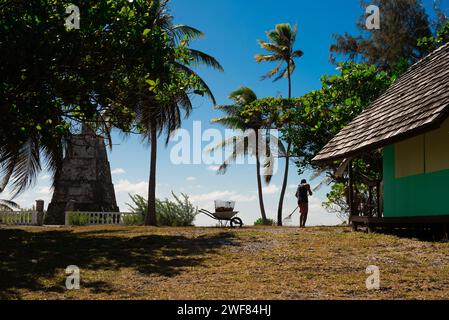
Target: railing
(19, 218)
(96, 218)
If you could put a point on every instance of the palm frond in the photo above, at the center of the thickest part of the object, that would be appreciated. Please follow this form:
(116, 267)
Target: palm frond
(208, 91)
(230, 109)
(282, 74)
(285, 34)
(274, 48)
(200, 58)
(243, 96)
(230, 122)
(185, 103)
(273, 36)
(269, 57)
(297, 54)
(190, 72)
(226, 143)
(8, 205)
(324, 182)
(272, 72)
(22, 167)
(239, 149)
(179, 31)
(280, 45)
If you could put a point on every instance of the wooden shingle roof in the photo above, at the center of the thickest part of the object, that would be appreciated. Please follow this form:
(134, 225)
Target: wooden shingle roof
(416, 103)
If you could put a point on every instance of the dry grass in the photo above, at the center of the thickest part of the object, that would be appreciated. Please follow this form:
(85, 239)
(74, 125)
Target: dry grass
(201, 263)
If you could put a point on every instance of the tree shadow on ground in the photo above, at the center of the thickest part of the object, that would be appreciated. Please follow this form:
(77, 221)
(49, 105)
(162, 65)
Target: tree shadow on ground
(27, 256)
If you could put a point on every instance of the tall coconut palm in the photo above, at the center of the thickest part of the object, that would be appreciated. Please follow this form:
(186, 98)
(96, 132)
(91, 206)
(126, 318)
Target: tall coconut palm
(155, 118)
(281, 50)
(244, 144)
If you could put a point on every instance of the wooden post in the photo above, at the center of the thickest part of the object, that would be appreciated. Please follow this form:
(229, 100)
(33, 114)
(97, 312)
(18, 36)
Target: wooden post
(379, 214)
(370, 200)
(351, 189)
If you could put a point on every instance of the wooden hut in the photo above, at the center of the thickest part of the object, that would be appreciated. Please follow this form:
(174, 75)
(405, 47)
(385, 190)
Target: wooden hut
(410, 124)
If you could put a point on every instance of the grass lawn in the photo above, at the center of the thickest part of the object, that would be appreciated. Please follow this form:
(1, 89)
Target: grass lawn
(209, 263)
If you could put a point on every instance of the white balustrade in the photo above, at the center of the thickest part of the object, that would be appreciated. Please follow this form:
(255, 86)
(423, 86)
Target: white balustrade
(96, 218)
(18, 218)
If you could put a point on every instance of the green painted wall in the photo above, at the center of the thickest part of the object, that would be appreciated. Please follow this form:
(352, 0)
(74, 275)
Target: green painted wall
(415, 196)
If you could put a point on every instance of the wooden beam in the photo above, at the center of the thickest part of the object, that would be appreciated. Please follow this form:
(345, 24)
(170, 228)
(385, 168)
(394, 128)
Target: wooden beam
(379, 213)
(351, 189)
(401, 220)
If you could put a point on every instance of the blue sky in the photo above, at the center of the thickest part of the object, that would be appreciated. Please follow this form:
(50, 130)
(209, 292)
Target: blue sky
(232, 28)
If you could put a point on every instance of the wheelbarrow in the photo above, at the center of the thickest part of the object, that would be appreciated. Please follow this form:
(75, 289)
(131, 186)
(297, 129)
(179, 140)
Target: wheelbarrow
(224, 214)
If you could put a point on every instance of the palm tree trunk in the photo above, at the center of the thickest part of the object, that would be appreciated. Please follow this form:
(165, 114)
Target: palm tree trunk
(284, 185)
(259, 182)
(287, 157)
(150, 219)
(289, 82)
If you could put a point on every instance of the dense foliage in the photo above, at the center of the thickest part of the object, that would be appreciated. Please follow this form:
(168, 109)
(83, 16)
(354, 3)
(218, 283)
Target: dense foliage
(433, 42)
(403, 22)
(316, 117)
(178, 212)
(53, 79)
(312, 120)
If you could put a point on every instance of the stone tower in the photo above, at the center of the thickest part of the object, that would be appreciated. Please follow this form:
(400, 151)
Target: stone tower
(84, 182)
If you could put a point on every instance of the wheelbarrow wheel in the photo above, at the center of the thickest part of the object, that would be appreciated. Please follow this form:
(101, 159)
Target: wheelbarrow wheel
(236, 222)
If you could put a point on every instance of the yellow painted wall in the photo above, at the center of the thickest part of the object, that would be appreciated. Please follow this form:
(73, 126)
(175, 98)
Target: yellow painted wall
(410, 157)
(423, 154)
(437, 149)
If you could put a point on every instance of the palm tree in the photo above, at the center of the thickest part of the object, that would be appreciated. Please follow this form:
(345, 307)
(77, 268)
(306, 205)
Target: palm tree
(243, 144)
(22, 160)
(8, 205)
(281, 47)
(155, 118)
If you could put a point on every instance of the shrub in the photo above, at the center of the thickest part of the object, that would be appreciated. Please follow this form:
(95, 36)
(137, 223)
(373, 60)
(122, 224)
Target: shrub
(139, 205)
(77, 219)
(133, 219)
(259, 222)
(179, 212)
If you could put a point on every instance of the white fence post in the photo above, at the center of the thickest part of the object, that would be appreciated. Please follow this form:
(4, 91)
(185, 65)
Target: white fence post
(34, 218)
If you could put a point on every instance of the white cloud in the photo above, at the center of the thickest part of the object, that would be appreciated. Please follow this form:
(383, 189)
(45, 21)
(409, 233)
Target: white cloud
(213, 168)
(222, 195)
(27, 199)
(271, 189)
(45, 177)
(292, 186)
(191, 179)
(118, 171)
(44, 191)
(125, 186)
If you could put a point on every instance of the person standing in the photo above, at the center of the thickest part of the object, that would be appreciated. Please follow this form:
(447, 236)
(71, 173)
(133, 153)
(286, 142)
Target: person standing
(303, 193)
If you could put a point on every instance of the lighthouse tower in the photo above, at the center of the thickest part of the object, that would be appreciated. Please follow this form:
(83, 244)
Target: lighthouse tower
(84, 182)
